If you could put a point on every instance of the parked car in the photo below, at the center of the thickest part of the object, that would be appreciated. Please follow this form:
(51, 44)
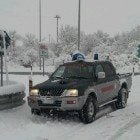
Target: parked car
(27, 65)
(83, 87)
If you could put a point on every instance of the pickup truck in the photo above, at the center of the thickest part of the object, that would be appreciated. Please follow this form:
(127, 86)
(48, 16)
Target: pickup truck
(83, 87)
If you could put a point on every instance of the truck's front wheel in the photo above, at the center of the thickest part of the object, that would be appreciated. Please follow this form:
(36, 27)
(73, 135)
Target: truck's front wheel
(88, 112)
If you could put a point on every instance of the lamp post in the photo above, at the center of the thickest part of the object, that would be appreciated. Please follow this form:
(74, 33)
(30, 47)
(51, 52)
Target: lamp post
(57, 30)
(40, 21)
(5, 41)
(40, 29)
(49, 38)
(79, 23)
(1, 55)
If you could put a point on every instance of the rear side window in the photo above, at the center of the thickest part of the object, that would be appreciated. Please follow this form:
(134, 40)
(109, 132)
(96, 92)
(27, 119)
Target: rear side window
(109, 70)
(86, 71)
(98, 69)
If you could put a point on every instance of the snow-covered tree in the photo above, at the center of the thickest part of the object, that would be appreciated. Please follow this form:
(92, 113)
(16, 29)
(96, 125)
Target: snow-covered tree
(122, 48)
(67, 39)
(31, 50)
(15, 47)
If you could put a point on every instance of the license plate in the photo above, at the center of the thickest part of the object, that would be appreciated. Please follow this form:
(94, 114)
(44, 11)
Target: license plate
(47, 100)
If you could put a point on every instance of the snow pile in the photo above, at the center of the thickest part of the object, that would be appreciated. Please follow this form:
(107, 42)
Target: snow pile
(12, 88)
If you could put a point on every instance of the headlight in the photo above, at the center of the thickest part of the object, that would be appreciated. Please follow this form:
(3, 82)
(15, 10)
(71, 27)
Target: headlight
(70, 93)
(34, 92)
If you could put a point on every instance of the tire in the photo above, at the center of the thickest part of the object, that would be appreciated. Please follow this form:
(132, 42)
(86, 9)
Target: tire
(122, 99)
(89, 110)
(36, 112)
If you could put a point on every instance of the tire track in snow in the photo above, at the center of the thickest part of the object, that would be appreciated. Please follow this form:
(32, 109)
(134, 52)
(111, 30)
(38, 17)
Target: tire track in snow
(125, 128)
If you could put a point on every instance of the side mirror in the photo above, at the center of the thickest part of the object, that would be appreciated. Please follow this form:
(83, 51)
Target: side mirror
(101, 75)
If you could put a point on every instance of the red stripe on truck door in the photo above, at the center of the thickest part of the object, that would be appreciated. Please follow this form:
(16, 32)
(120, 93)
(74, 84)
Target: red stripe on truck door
(107, 89)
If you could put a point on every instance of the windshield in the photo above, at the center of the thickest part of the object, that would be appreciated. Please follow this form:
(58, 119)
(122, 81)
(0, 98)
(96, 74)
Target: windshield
(74, 71)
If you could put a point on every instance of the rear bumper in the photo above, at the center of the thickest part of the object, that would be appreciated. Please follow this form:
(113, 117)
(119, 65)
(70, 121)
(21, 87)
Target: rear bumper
(59, 103)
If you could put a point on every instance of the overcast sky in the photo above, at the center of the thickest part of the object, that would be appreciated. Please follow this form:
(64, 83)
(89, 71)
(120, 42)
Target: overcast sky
(111, 16)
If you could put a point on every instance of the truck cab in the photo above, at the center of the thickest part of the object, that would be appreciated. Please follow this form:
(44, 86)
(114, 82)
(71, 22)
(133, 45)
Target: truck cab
(80, 86)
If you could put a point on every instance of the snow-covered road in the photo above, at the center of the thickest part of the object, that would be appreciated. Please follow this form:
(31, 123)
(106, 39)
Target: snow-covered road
(19, 124)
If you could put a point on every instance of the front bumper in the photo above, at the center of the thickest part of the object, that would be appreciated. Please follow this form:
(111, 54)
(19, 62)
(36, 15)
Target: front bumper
(59, 103)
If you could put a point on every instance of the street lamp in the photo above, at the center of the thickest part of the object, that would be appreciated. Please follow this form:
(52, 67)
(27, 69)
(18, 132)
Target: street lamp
(40, 21)
(5, 41)
(57, 20)
(40, 30)
(79, 22)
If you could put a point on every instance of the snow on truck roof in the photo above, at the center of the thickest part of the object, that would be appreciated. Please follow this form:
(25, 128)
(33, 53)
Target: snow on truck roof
(85, 62)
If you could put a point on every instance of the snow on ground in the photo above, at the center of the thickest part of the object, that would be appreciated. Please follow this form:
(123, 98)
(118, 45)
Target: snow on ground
(18, 123)
(25, 80)
(17, 68)
(129, 69)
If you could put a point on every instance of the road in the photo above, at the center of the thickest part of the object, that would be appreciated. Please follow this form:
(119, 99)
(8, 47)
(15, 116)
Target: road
(122, 124)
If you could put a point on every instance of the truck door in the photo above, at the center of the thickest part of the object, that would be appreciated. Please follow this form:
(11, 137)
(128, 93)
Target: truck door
(101, 84)
(111, 81)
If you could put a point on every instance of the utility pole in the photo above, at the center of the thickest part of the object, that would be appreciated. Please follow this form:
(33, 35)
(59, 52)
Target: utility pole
(40, 29)
(79, 22)
(57, 27)
(1, 55)
(5, 41)
(1, 58)
(5, 58)
(49, 38)
(40, 20)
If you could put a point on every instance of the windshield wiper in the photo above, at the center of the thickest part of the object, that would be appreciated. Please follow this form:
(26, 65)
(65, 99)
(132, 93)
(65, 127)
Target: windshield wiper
(58, 77)
(77, 77)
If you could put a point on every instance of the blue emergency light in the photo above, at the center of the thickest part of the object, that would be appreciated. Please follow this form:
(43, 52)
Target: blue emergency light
(78, 56)
(96, 56)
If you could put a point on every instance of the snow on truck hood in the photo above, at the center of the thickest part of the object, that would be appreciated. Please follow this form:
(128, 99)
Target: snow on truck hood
(57, 83)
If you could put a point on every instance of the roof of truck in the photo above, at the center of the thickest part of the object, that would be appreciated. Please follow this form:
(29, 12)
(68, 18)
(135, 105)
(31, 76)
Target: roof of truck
(85, 62)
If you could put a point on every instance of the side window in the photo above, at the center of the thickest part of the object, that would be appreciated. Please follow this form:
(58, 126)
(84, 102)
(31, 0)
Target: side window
(98, 69)
(90, 68)
(90, 71)
(109, 71)
(86, 71)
